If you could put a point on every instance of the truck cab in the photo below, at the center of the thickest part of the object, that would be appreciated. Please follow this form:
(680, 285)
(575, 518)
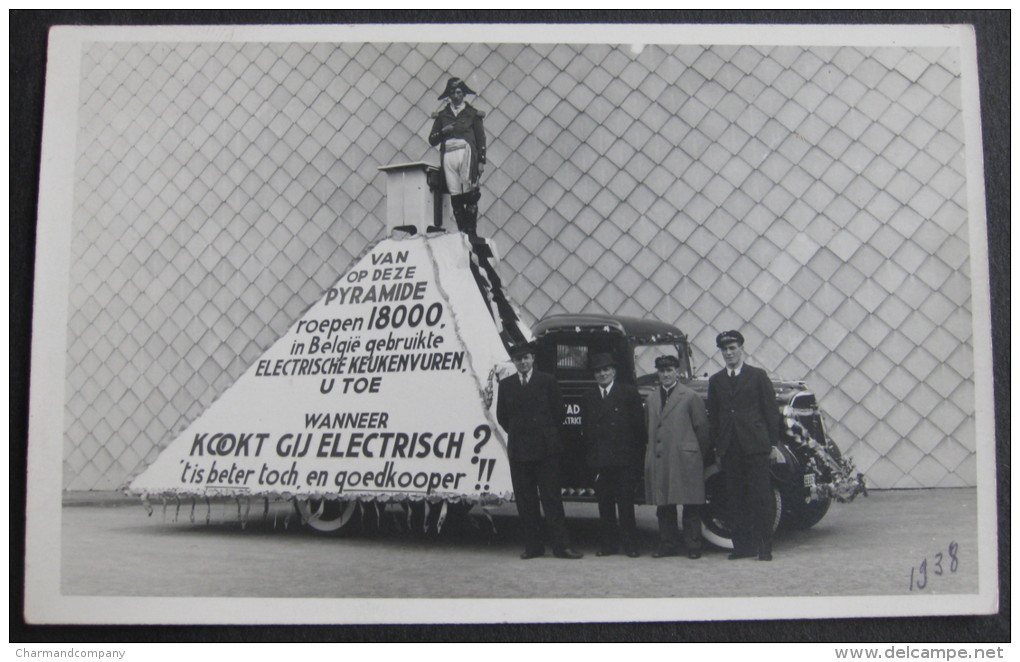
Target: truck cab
(566, 344)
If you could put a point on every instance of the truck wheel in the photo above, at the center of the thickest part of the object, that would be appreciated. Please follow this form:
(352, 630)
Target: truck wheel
(805, 515)
(326, 515)
(458, 516)
(714, 526)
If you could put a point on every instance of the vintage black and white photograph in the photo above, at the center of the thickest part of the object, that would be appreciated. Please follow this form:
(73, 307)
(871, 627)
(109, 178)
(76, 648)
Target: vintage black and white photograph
(510, 323)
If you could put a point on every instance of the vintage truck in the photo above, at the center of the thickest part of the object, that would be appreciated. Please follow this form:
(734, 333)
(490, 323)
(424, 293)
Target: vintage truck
(812, 475)
(813, 472)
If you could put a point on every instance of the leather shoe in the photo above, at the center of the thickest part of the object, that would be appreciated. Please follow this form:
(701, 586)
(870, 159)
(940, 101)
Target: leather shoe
(764, 556)
(606, 551)
(693, 554)
(663, 552)
(568, 553)
(739, 555)
(532, 553)
(633, 553)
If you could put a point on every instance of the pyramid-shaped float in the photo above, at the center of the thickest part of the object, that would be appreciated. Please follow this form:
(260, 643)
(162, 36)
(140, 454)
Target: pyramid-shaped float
(383, 390)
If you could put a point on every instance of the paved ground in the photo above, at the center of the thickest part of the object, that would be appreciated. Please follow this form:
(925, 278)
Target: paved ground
(112, 548)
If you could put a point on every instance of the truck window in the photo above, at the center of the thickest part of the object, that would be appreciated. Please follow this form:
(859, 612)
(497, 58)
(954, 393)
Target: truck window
(571, 357)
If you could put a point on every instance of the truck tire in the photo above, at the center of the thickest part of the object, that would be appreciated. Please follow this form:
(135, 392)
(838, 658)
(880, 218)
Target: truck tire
(805, 515)
(326, 516)
(714, 527)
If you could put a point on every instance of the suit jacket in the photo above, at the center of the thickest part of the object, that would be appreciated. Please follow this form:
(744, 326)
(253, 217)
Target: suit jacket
(743, 411)
(531, 415)
(613, 427)
(466, 126)
(678, 438)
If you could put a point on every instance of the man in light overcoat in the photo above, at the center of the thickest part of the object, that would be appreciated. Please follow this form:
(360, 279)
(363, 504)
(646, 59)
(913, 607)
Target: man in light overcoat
(678, 442)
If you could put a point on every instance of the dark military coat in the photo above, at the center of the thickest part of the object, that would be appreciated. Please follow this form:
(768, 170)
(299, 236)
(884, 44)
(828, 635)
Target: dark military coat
(466, 126)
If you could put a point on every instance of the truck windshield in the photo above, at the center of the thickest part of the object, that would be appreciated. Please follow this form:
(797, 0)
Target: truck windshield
(644, 361)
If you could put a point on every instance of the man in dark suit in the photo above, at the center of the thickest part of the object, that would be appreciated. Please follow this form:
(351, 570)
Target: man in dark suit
(530, 409)
(613, 421)
(745, 424)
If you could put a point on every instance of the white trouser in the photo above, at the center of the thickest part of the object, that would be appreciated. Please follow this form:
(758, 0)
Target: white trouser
(457, 166)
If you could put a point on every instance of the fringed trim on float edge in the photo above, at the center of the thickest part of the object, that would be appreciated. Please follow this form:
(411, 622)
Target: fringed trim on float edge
(237, 505)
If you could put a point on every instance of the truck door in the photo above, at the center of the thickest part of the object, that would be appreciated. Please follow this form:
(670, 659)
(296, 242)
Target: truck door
(568, 356)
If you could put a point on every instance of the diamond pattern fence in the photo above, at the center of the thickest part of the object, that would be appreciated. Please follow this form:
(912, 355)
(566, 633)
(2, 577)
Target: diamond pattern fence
(813, 197)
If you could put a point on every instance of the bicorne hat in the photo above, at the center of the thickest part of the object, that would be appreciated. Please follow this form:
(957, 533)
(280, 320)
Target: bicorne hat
(452, 85)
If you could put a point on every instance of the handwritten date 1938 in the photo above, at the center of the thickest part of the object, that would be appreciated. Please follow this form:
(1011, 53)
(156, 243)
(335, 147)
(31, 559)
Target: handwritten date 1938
(941, 564)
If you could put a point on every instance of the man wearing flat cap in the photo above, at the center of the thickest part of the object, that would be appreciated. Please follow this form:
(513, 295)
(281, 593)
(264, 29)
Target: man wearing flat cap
(458, 132)
(613, 425)
(678, 443)
(530, 408)
(746, 432)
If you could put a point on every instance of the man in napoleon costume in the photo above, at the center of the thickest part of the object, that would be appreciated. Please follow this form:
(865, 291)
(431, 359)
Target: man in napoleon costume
(530, 408)
(613, 419)
(458, 132)
(678, 445)
(746, 432)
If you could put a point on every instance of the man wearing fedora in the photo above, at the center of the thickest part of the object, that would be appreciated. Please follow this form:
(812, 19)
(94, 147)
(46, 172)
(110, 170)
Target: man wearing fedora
(613, 424)
(458, 132)
(678, 443)
(746, 432)
(530, 408)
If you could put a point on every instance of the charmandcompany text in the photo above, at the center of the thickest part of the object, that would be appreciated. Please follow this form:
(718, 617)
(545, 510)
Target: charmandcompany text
(70, 652)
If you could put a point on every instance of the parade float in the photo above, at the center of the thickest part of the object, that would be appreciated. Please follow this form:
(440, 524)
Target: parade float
(382, 392)
(382, 395)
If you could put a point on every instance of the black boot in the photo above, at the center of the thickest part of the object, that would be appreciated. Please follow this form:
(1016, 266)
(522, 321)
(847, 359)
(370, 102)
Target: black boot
(471, 213)
(458, 202)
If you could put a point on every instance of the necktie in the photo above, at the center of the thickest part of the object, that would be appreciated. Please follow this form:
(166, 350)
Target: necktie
(524, 380)
(604, 393)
